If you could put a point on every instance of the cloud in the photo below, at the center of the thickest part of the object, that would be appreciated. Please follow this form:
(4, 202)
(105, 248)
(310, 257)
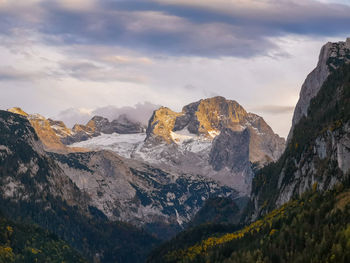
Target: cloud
(140, 112)
(87, 70)
(178, 27)
(12, 74)
(74, 116)
(273, 109)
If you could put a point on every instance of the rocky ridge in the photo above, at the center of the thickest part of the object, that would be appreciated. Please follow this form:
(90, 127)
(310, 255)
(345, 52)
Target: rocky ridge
(55, 135)
(318, 153)
(332, 56)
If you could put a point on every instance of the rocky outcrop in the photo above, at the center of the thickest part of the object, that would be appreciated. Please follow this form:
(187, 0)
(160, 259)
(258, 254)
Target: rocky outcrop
(52, 134)
(161, 124)
(318, 154)
(332, 56)
(98, 125)
(207, 118)
(46, 133)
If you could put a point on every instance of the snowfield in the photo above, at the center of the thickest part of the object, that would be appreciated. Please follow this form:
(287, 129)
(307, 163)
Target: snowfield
(122, 144)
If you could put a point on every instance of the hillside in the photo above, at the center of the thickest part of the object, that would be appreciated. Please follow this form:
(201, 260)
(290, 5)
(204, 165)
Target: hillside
(34, 189)
(28, 243)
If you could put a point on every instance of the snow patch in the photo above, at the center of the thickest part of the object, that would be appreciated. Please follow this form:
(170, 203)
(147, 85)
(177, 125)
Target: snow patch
(213, 133)
(123, 144)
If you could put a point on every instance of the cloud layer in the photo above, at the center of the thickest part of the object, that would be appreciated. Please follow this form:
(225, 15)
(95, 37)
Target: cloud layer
(177, 27)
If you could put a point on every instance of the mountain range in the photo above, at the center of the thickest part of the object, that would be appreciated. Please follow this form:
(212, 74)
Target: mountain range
(209, 179)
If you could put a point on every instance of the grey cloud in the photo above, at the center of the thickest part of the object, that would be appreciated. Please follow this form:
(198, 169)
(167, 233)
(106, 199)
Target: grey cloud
(12, 74)
(273, 109)
(186, 28)
(141, 112)
(73, 116)
(84, 70)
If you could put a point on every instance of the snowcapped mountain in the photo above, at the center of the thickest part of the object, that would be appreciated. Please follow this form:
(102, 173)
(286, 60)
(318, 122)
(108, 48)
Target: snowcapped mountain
(213, 137)
(160, 177)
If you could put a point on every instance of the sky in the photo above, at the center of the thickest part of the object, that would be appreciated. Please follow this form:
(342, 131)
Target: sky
(71, 59)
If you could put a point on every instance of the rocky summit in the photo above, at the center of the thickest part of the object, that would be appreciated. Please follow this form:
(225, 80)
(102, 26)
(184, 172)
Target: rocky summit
(331, 57)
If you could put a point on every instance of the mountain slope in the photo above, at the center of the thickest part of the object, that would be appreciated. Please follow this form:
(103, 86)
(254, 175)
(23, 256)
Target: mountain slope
(135, 192)
(314, 228)
(318, 154)
(34, 189)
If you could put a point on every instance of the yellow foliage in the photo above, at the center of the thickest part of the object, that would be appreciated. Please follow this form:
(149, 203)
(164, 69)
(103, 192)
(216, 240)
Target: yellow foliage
(6, 254)
(9, 229)
(254, 227)
(35, 251)
(273, 231)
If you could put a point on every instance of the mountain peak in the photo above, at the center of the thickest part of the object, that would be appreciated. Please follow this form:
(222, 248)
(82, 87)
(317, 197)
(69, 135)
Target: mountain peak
(206, 117)
(18, 110)
(332, 56)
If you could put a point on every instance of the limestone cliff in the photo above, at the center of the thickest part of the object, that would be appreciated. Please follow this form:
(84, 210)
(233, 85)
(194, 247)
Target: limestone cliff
(332, 56)
(208, 118)
(318, 153)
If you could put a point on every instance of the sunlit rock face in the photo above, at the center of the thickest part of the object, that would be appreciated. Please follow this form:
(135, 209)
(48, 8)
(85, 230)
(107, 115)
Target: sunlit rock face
(203, 118)
(206, 119)
(52, 134)
(43, 129)
(332, 56)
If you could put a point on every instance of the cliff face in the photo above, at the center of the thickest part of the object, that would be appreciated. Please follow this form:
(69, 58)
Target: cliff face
(49, 137)
(207, 118)
(230, 149)
(332, 56)
(318, 153)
